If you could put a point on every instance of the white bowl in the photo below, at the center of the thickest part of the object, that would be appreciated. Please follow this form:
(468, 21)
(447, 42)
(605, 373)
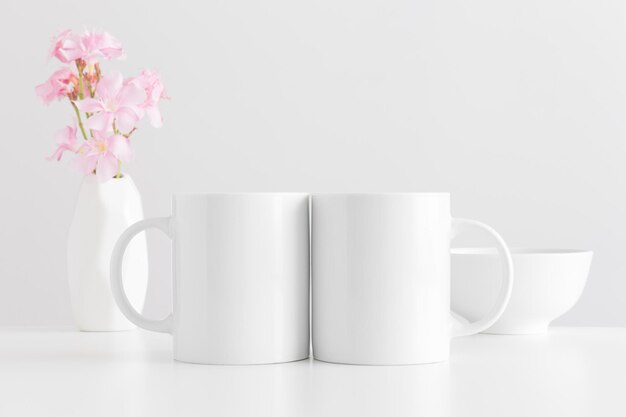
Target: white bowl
(547, 283)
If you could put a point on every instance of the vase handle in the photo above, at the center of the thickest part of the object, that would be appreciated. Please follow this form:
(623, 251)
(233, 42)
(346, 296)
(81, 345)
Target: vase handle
(117, 287)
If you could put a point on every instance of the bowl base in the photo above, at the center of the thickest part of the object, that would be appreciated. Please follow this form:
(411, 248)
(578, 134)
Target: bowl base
(519, 330)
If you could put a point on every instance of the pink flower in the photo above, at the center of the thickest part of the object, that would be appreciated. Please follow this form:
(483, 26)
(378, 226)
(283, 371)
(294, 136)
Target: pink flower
(66, 47)
(100, 45)
(114, 102)
(103, 154)
(151, 83)
(66, 141)
(57, 86)
(89, 46)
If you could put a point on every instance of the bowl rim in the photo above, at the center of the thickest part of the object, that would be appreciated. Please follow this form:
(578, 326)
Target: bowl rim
(518, 251)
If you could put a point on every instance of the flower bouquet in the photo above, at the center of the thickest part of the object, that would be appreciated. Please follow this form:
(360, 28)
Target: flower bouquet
(106, 110)
(107, 107)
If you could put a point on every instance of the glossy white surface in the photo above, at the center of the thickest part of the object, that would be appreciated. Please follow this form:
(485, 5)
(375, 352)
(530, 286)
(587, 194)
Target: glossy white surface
(548, 282)
(103, 211)
(241, 277)
(381, 278)
(63, 373)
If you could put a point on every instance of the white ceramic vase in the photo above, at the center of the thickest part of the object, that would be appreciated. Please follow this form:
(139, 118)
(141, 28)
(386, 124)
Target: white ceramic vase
(103, 212)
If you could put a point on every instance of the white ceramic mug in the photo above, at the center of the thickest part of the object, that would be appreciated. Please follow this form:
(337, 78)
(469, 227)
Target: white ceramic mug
(381, 278)
(241, 277)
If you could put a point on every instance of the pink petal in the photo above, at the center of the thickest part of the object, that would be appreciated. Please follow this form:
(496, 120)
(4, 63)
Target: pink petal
(66, 141)
(90, 105)
(58, 41)
(58, 153)
(107, 167)
(55, 87)
(110, 85)
(70, 49)
(67, 136)
(99, 134)
(69, 55)
(154, 116)
(125, 119)
(66, 47)
(100, 121)
(120, 147)
(101, 44)
(45, 92)
(110, 47)
(131, 95)
(112, 53)
(85, 163)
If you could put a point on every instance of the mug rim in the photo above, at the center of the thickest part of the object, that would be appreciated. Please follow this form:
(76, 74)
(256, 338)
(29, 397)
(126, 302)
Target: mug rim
(392, 193)
(237, 194)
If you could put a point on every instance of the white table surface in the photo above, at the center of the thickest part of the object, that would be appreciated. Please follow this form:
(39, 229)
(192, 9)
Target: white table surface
(60, 372)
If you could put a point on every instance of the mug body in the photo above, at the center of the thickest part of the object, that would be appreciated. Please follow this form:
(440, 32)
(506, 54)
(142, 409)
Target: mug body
(381, 278)
(241, 278)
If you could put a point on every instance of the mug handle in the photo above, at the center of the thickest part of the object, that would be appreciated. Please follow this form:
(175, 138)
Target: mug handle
(117, 287)
(461, 328)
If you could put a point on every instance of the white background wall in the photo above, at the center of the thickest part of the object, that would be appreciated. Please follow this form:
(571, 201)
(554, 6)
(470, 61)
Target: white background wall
(517, 108)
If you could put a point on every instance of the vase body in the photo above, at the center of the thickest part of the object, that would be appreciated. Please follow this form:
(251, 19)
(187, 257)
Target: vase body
(103, 212)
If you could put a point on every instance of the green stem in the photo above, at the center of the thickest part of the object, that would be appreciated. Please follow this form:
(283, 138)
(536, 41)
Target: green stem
(127, 136)
(119, 169)
(91, 89)
(81, 94)
(80, 121)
